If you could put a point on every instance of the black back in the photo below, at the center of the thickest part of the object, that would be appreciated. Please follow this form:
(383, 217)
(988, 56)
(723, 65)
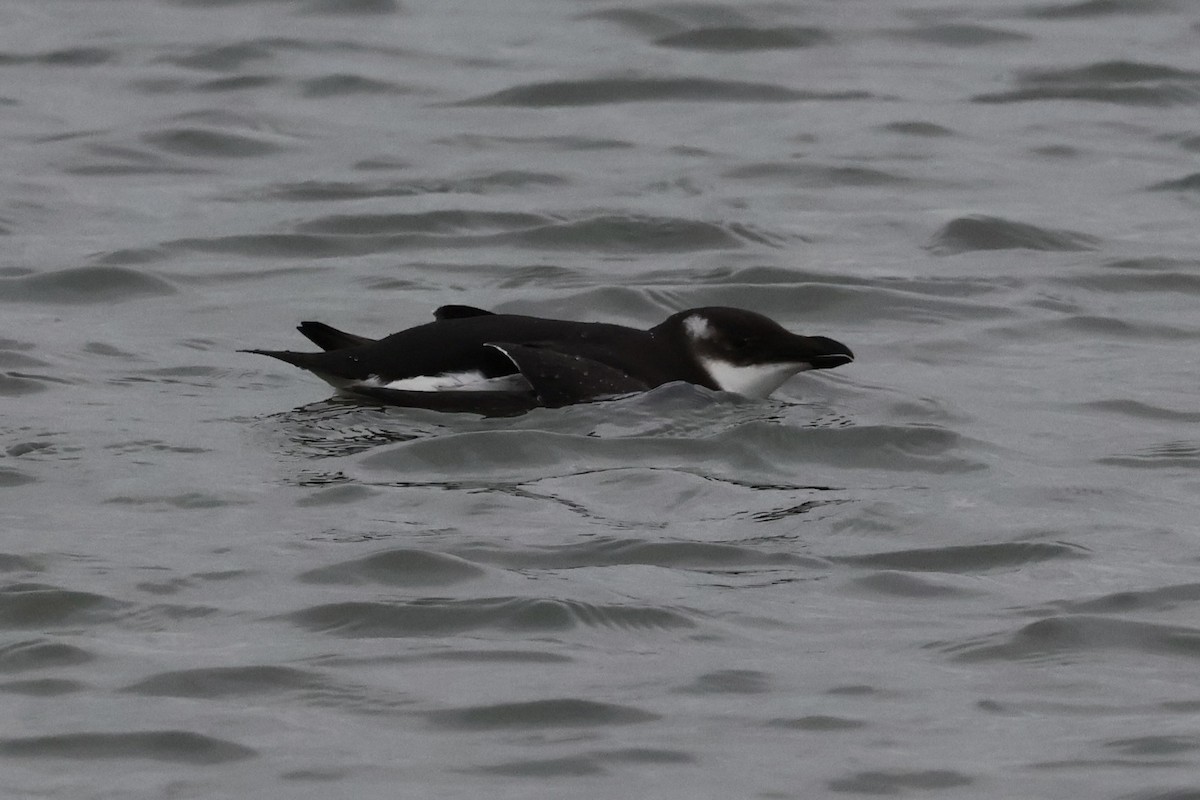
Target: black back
(460, 343)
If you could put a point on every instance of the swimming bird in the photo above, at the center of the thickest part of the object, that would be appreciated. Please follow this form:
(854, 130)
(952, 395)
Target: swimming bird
(470, 359)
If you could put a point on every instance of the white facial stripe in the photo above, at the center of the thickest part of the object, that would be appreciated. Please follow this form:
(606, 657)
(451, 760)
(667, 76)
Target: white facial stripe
(469, 381)
(697, 327)
(754, 380)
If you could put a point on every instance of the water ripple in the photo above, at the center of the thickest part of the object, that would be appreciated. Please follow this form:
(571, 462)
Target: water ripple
(557, 713)
(40, 654)
(607, 552)
(731, 38)
(81, 285)
(1117, 82)
(1068, 636)
(603, 91)
(174, 746)
(36, 605)
(255, 681)
(965, 558)
(210, 143)
(400, 567)
(752, 451)
(439, 617)
(967, 234)
(346, 235)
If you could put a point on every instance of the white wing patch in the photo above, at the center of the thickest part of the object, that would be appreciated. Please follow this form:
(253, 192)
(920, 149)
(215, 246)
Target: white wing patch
(697, 327)
(753, 380)
(466, 381)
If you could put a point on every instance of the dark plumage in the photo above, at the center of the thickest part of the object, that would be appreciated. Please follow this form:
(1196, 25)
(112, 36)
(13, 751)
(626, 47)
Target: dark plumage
(470, 359)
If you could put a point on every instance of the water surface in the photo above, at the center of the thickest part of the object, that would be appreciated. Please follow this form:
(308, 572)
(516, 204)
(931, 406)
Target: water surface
(965, 565)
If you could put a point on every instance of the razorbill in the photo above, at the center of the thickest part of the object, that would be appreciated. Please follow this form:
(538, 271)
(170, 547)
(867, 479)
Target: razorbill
(470, 359)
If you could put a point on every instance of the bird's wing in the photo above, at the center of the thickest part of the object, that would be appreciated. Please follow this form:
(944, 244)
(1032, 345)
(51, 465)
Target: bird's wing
(560, 379)
(328, 337)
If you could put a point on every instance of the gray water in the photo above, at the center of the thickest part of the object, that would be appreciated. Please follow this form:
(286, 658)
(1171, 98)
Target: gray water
(966, 565)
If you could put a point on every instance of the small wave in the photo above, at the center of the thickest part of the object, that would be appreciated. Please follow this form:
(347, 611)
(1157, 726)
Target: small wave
(10, 562)
(236, 83)
(905, 584)
(1167, 455)
(494, 657)
(1183, 280)
(589, 763)
(729, 681)
(896, 782)
(1064, 636)
(1101, 8)
(41, 654)
(732, 38)
(1157, 746)
(68, 57)
(43, 687)
(958, 35)
(819, 723)
(349, 7)
(401, 567)
(208, 143)
(1117, 82)
(967, 234)
(1096, 327)
(1164, 598)
(533, 144)
(81, 285)
(965, 559)
(348, 235)
(188, 501)
(36, 605)
(224, 682)
(817, 176)
(439, 617)
(1189, 183)
(1159, 96)
(753, 451)
(490, 183)
(917, 128)
(1142, 410)
(604, 91)
(13, 385)
(277, 245)
(343, 84)
(102, 158)
(630, 233)
(1109, 72)
(665, 19)
(174, 746)
(555, 713)
(607, 552)
(11, 360)
(223, 58)
(337, 427)
(445, 222)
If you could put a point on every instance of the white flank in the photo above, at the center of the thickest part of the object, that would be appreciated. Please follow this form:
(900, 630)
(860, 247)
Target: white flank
(697, 327)
(754, 380)
(469, 381)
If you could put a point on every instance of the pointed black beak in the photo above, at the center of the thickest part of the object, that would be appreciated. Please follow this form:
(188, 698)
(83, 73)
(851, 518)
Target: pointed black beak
(823, 352)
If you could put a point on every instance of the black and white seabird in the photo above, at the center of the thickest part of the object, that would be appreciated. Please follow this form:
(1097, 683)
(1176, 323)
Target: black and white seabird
(470, 359)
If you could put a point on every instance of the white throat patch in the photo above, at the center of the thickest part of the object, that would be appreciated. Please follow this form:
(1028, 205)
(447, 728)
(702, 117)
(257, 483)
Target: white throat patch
(697, 327)
(752, 380)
